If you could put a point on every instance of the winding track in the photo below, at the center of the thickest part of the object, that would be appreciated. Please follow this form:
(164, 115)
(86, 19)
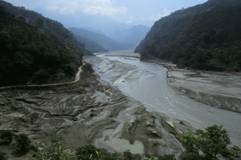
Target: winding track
(41, 86)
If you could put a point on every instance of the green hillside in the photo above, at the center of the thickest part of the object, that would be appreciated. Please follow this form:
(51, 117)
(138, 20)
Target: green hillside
(206, 37)
(35, 49)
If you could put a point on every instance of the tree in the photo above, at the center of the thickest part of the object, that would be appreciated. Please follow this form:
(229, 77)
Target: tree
(206, 144)
(213, 141)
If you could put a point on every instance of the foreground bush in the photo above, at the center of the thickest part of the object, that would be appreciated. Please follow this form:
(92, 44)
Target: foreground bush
(208, 144)
(22, 145)
(6, 137)
(2, 156)
(205, 144)
(166, 157)
(92, 153)
(56, 151)
(87, 68)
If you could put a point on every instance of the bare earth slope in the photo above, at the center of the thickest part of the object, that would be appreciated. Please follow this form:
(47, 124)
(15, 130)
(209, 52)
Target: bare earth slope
(88, 112)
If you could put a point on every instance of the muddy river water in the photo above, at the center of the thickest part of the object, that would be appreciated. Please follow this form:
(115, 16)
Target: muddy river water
(147, 83)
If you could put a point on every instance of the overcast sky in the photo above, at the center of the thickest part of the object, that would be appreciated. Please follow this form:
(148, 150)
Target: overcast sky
(126, 11)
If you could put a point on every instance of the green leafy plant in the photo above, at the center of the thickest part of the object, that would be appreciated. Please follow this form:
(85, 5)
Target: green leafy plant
(205, 144)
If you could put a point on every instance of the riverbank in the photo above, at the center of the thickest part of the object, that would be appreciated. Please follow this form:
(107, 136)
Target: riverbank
(89, 112)
(221, 90)
(217, 89)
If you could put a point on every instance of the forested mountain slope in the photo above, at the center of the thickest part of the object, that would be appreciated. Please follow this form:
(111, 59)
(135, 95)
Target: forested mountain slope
(35, 49)
(206, 36)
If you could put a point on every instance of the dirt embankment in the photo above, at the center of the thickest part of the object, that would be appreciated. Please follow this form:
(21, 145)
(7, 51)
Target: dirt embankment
(88, 112)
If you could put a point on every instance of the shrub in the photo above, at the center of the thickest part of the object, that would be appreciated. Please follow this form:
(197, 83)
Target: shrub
(165, 157)
(233, 152)
(6, 137)
(2, 156)
(87, 68)
(105, 155)
(22, 145)
(56, 151)
(206, 144)
(191, 156)
(88, 153)
(129, 156)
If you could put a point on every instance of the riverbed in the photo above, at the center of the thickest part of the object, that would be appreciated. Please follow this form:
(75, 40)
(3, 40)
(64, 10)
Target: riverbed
(147, 83)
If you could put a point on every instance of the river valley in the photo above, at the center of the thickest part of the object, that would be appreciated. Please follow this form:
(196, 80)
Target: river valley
(147, 83)
(87, 111)
(126, 105)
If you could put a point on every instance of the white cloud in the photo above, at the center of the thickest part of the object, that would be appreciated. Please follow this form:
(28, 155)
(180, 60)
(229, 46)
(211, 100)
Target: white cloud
(92, 7)
(148, 19)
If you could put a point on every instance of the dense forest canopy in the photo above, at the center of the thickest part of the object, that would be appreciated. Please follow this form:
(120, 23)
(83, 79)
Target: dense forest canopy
(35, 49)
(206, 37)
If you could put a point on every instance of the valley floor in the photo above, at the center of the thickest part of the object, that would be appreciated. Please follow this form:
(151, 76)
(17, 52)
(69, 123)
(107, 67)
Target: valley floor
(152, 85)
(88, 112)
(126, 105)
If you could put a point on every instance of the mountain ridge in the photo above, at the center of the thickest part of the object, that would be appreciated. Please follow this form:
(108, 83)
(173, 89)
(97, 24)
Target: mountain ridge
(201, 37)
(100, 39)
(127, 38)
(35, 49)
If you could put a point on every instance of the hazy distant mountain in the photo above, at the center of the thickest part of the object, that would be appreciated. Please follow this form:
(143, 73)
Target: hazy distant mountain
(133, 36)
(206, 36)
(129, 36)
(34, 48)
(123, 39)
(88, 39)
(116, 31)
(97, 41)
